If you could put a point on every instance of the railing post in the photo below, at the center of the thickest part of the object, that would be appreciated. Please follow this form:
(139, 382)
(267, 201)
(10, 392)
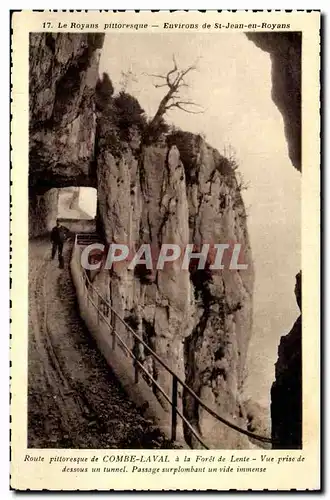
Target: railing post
(113, 329)
(136, 372)
(136, 350)
(174, 406)
(98, 309)
(85, 289)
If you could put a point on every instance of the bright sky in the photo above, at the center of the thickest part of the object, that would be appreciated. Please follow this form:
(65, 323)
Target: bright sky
(77, 202)
(233, 85)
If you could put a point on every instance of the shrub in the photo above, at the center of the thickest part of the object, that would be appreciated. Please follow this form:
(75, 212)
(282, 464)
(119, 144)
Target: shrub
(128, 113)
(153, 134)
(120, 117)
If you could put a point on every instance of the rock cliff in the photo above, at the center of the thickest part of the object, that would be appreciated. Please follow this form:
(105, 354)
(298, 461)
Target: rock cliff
(42, 212)
(285, 53)
(182, 191)
(63, 75)
(144, 201)
(215, 350)
(286, 393)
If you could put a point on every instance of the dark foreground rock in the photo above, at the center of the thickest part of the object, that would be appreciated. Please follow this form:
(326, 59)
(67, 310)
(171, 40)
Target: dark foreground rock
(285, 53)
(286, 393)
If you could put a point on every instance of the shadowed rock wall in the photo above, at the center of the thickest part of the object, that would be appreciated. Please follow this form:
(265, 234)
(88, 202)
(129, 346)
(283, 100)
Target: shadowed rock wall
(63, 76)
(285, 52)
(286, 393)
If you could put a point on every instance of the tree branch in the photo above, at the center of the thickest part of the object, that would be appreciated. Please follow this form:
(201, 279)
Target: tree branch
(180, 106)
(174, 80)
(155, 76)
(191, 103)
(169, 83)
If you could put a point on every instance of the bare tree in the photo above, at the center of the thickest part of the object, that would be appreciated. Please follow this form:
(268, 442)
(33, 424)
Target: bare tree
(174, 81)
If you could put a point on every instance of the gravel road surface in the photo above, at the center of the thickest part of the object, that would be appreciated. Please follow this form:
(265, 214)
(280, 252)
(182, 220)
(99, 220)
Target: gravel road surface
(74, 399)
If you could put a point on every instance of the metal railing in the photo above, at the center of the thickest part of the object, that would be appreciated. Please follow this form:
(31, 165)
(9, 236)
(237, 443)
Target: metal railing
(104, 309)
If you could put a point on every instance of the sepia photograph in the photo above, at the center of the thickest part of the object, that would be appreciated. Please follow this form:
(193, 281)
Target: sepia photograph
(153, 142)
(165, 254)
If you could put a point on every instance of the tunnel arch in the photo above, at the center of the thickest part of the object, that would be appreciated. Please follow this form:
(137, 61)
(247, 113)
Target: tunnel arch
(74, 206)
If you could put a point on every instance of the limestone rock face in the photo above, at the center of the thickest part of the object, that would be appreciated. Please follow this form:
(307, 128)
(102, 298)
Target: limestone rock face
(215, 350)
(43, 212)
(199, 322)
(144, 201)
(285, 53)
(286, 393)
(63, 75)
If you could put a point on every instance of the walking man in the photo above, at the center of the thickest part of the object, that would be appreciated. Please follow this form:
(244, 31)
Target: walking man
(58, 236)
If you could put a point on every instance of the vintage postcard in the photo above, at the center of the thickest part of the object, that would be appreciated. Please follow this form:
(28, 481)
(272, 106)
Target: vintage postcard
(165, 279)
